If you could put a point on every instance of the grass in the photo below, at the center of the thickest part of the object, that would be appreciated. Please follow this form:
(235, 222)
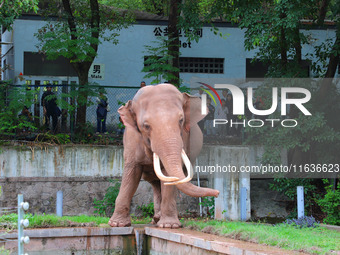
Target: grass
(317, 240)
(50, 220)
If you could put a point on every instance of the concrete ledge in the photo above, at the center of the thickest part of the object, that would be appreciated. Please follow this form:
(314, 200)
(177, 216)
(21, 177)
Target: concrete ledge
(72, 232)
(212, 243)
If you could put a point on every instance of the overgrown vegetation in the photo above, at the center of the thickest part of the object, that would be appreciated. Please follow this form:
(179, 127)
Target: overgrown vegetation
(208, 203)
(318, 240)
(106, 206)
(13, 101)
(147, 210)
(330, 204)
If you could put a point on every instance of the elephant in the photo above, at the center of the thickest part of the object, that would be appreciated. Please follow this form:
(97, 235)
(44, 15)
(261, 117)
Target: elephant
(159, 121)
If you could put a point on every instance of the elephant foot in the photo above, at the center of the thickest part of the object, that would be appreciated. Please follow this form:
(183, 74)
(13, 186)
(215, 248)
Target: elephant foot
(119, 221)
(167, 222)
(156, 218)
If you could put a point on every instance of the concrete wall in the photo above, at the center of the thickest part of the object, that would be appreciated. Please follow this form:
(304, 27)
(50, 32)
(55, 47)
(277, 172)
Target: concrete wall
(83, 173)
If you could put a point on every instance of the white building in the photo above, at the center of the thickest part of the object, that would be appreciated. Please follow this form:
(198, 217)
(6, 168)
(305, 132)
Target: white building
(213, 59)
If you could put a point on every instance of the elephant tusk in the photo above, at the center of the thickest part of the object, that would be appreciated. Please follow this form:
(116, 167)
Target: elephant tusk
(158, 171)
(188, 165)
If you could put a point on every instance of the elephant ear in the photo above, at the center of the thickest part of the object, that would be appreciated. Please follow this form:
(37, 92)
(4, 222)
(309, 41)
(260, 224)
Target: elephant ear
(127, 115)
(192, 110)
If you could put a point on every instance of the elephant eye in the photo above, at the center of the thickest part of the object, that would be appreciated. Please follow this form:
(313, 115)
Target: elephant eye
(181, 121)
(146, 126)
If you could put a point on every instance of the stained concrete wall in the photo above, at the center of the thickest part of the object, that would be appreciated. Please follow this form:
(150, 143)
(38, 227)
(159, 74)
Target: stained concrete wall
(83, 173)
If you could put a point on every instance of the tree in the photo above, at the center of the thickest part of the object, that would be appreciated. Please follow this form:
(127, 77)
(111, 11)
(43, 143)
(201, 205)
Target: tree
(273, 28)
(76, 34)
(11, 9)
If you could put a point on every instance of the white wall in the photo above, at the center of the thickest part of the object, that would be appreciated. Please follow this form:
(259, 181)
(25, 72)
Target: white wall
(124, 61)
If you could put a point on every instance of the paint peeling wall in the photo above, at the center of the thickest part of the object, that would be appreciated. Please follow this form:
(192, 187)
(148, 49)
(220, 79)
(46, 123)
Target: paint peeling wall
(83, 174)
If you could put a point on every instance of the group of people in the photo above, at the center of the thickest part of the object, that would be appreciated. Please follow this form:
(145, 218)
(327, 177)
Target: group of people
(224, 111)
(51, 111)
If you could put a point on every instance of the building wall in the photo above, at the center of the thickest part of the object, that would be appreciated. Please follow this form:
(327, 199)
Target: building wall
(124, 61)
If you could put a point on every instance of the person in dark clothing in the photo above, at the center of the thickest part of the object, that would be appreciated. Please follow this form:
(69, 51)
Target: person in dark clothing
(25, 117)
(49, 104)
(102, 109)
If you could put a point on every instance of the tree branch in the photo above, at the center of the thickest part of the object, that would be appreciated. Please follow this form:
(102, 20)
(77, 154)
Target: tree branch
(95, 22)
(323, 11)
(70, 19)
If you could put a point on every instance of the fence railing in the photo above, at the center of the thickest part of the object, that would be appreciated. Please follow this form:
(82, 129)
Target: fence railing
(29, 97)
(21, 224)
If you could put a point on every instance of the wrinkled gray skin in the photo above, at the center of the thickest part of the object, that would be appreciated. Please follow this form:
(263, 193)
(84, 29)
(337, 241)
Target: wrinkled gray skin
(159, 119)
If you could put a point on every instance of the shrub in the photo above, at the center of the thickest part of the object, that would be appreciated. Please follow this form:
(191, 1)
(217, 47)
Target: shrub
(106, 206)
(147, 210)
(330, 204)
(209, 203)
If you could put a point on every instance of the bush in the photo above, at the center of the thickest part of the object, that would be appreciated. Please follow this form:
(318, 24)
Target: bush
(106, 206)
(147, 210)
(209, 203)
(330, 204)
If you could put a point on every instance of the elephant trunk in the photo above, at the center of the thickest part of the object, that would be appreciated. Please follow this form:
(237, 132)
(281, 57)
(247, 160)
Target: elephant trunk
(171, 159)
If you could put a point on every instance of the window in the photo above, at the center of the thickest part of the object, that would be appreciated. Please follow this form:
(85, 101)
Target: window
(255, 69)
(258, 69)
(37, 64)
(199, 65)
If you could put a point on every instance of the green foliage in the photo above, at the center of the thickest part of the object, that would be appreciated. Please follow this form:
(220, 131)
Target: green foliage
(330, 204)
(147, 210)
(107, 205)
(56, 38)
(316, 136)
(317, 240)
(288, 188)
(184, 89)
(209, 203)
(3, 251)
(12, 101)
(157, 63)
(11, 9)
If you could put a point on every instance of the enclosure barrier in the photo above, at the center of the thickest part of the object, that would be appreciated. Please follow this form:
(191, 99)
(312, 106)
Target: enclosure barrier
(22, 223)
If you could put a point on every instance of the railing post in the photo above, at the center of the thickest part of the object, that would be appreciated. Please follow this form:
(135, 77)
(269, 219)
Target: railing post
(59, 207)
(243, 203)
(22, 207)
(300, 202)
(20, 226)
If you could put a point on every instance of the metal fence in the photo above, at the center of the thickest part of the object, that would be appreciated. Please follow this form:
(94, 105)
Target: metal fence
(67, 94)
(66, 100)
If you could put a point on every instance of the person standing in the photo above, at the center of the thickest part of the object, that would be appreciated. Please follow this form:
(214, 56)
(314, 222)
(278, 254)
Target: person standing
(50, 108)
(102, 109)
(142, 84)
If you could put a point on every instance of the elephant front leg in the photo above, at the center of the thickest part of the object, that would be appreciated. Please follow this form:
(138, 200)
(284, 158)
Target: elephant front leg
(169, 214)
(157, 198)
(130, 181)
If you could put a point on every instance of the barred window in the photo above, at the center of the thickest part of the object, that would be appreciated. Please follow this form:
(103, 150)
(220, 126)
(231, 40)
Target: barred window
(37, 64)
(198, 65)
(201, 65)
